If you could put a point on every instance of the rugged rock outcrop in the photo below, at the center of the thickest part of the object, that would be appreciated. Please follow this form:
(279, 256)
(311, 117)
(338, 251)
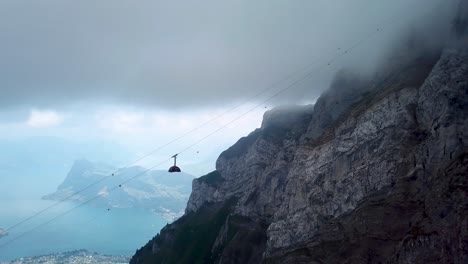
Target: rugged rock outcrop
(377, 176)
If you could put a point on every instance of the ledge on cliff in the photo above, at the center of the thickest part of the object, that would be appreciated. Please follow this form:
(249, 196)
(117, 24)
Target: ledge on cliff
(280, 123)
(213, 178)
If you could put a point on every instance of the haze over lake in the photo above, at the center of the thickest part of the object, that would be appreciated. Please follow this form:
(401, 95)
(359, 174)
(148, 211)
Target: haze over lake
(35, 167)
(116, 232)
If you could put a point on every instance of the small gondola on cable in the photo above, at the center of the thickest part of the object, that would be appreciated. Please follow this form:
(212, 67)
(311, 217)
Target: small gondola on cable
(174, 168)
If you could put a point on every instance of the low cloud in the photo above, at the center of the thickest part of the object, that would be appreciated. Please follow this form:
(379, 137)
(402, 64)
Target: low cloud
(43, 119)
(173, 55)
(121, 122)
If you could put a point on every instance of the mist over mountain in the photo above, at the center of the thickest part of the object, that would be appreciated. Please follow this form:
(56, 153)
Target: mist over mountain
(368, 164)
(202, 52)
(374, 172)
(32, 166)
(132, 187)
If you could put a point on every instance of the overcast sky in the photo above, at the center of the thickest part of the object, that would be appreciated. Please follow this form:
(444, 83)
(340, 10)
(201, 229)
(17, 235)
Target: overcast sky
(143, 71)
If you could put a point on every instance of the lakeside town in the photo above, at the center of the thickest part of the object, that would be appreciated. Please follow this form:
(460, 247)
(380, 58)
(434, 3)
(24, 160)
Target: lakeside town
(73, 257)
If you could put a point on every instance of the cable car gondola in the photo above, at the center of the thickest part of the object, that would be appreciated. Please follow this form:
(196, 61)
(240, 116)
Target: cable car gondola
(174, 168)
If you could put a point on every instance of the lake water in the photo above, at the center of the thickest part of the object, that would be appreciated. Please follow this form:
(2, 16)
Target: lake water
(114, 232)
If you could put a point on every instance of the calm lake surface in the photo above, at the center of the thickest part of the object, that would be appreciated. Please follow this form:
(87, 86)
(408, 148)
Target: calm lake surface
(114, 232)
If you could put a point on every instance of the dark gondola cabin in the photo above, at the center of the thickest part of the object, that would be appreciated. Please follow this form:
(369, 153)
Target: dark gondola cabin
(174, 168)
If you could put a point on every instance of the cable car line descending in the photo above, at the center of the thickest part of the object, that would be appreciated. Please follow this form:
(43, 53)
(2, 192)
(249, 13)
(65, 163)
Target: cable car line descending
(178, 138)
(78, 206)
(268, 88)
(55, 204)
(155, 150)
(149, 169)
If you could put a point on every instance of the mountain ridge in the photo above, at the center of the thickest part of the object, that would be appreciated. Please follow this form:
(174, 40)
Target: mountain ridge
(156, 190)
(376, 175)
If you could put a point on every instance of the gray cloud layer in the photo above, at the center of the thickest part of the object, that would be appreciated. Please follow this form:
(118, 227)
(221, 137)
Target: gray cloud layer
(170, 54)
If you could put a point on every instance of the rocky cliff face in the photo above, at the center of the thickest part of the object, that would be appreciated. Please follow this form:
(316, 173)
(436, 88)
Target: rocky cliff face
(377, 176)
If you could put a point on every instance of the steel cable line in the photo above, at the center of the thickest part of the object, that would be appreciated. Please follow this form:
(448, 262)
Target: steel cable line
(268, 88)
(146, 170)
(78, 206)
(308, 75)
(154, 151)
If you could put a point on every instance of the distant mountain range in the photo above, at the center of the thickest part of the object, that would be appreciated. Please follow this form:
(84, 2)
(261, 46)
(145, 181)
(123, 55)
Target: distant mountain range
(133, 187)
(34, 166)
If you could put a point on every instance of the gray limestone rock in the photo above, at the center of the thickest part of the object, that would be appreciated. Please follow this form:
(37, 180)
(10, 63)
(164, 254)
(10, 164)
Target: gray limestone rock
(381, 179)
